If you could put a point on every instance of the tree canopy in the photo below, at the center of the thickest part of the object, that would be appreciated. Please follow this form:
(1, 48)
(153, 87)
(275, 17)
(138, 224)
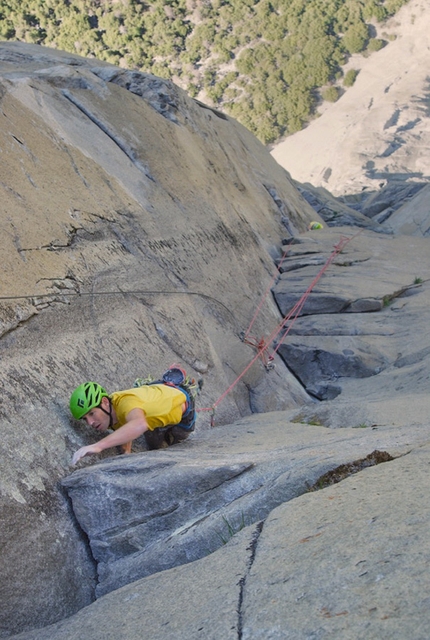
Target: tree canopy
(265, 62)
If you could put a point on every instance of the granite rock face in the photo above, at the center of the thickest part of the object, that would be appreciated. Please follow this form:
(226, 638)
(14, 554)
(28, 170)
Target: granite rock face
(149, 512)
(341, 562)
(365, 314)
(138, 229)
(143, 227)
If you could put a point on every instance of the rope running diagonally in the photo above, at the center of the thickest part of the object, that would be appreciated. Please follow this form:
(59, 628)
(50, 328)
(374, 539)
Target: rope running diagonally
(263, 345)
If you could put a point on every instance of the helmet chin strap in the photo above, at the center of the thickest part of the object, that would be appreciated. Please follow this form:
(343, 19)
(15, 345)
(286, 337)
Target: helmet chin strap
(108, 413)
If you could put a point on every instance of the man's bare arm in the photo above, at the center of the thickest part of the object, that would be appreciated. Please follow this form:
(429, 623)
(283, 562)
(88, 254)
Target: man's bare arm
(134, 427)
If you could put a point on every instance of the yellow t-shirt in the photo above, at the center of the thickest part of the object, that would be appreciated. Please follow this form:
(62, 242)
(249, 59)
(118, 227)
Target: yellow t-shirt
(161, 404)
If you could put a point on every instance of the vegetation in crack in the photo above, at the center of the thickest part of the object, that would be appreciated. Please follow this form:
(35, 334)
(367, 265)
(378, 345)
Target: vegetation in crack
(344, 470)
(232, 528)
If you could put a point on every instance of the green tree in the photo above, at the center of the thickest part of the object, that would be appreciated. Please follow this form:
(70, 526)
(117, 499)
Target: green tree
(331, 94)
(280, 52)
(355, 38)
(350, 77)
(392, 6)
(375, 44)
(373, 9)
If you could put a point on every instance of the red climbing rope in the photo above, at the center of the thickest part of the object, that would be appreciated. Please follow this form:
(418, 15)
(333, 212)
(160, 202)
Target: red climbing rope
(266, 293)
(262, 345)
(295, 311)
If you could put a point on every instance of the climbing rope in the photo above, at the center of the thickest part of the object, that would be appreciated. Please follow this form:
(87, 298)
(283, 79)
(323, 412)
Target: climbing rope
(264, 296)
(262, 345)
(297, 308)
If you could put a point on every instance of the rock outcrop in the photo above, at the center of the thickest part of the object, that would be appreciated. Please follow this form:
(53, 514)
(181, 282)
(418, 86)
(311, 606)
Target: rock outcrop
(367, 314)
(154, 511)
(366, 317)
(340, 562)
(306, 521)
(138, 229)
(143, 228)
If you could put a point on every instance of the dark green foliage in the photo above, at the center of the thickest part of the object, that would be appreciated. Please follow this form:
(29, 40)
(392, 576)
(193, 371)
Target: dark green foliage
(373, 9)
(355, 38)
(331, 94)
(393, 5)
(350, 77)
(262, 61)
(375, 44)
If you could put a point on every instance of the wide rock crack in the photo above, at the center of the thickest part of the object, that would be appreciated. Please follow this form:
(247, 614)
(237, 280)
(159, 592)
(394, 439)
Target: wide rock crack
(242, 582)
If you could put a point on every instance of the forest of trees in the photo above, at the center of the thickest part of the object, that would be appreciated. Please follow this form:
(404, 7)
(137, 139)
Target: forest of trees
(266, 62)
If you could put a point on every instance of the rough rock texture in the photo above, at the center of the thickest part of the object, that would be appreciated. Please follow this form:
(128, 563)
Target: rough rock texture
(153, 511)
(366, 317)
(334, 211)
(343, 562)
(138, 228)
(117, 182)
(328, 543)
(368, 312)
(412, 217)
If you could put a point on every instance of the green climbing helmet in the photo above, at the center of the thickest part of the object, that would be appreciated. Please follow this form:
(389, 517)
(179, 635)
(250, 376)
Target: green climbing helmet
(86, 397)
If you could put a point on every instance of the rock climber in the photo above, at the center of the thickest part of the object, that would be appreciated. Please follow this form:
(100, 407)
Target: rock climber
(164, 413)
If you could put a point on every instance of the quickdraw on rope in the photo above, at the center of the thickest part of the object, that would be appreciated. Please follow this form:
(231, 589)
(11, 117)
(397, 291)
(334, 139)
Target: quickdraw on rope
(212, 410)
(262, 345)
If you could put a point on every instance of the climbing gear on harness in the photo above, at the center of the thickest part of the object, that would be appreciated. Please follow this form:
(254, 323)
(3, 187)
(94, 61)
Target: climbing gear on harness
(86, 397)
(263, 345)
(188, 420)
(176, 377)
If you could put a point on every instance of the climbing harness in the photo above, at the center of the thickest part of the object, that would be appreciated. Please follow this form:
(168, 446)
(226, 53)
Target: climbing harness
(176, 377)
